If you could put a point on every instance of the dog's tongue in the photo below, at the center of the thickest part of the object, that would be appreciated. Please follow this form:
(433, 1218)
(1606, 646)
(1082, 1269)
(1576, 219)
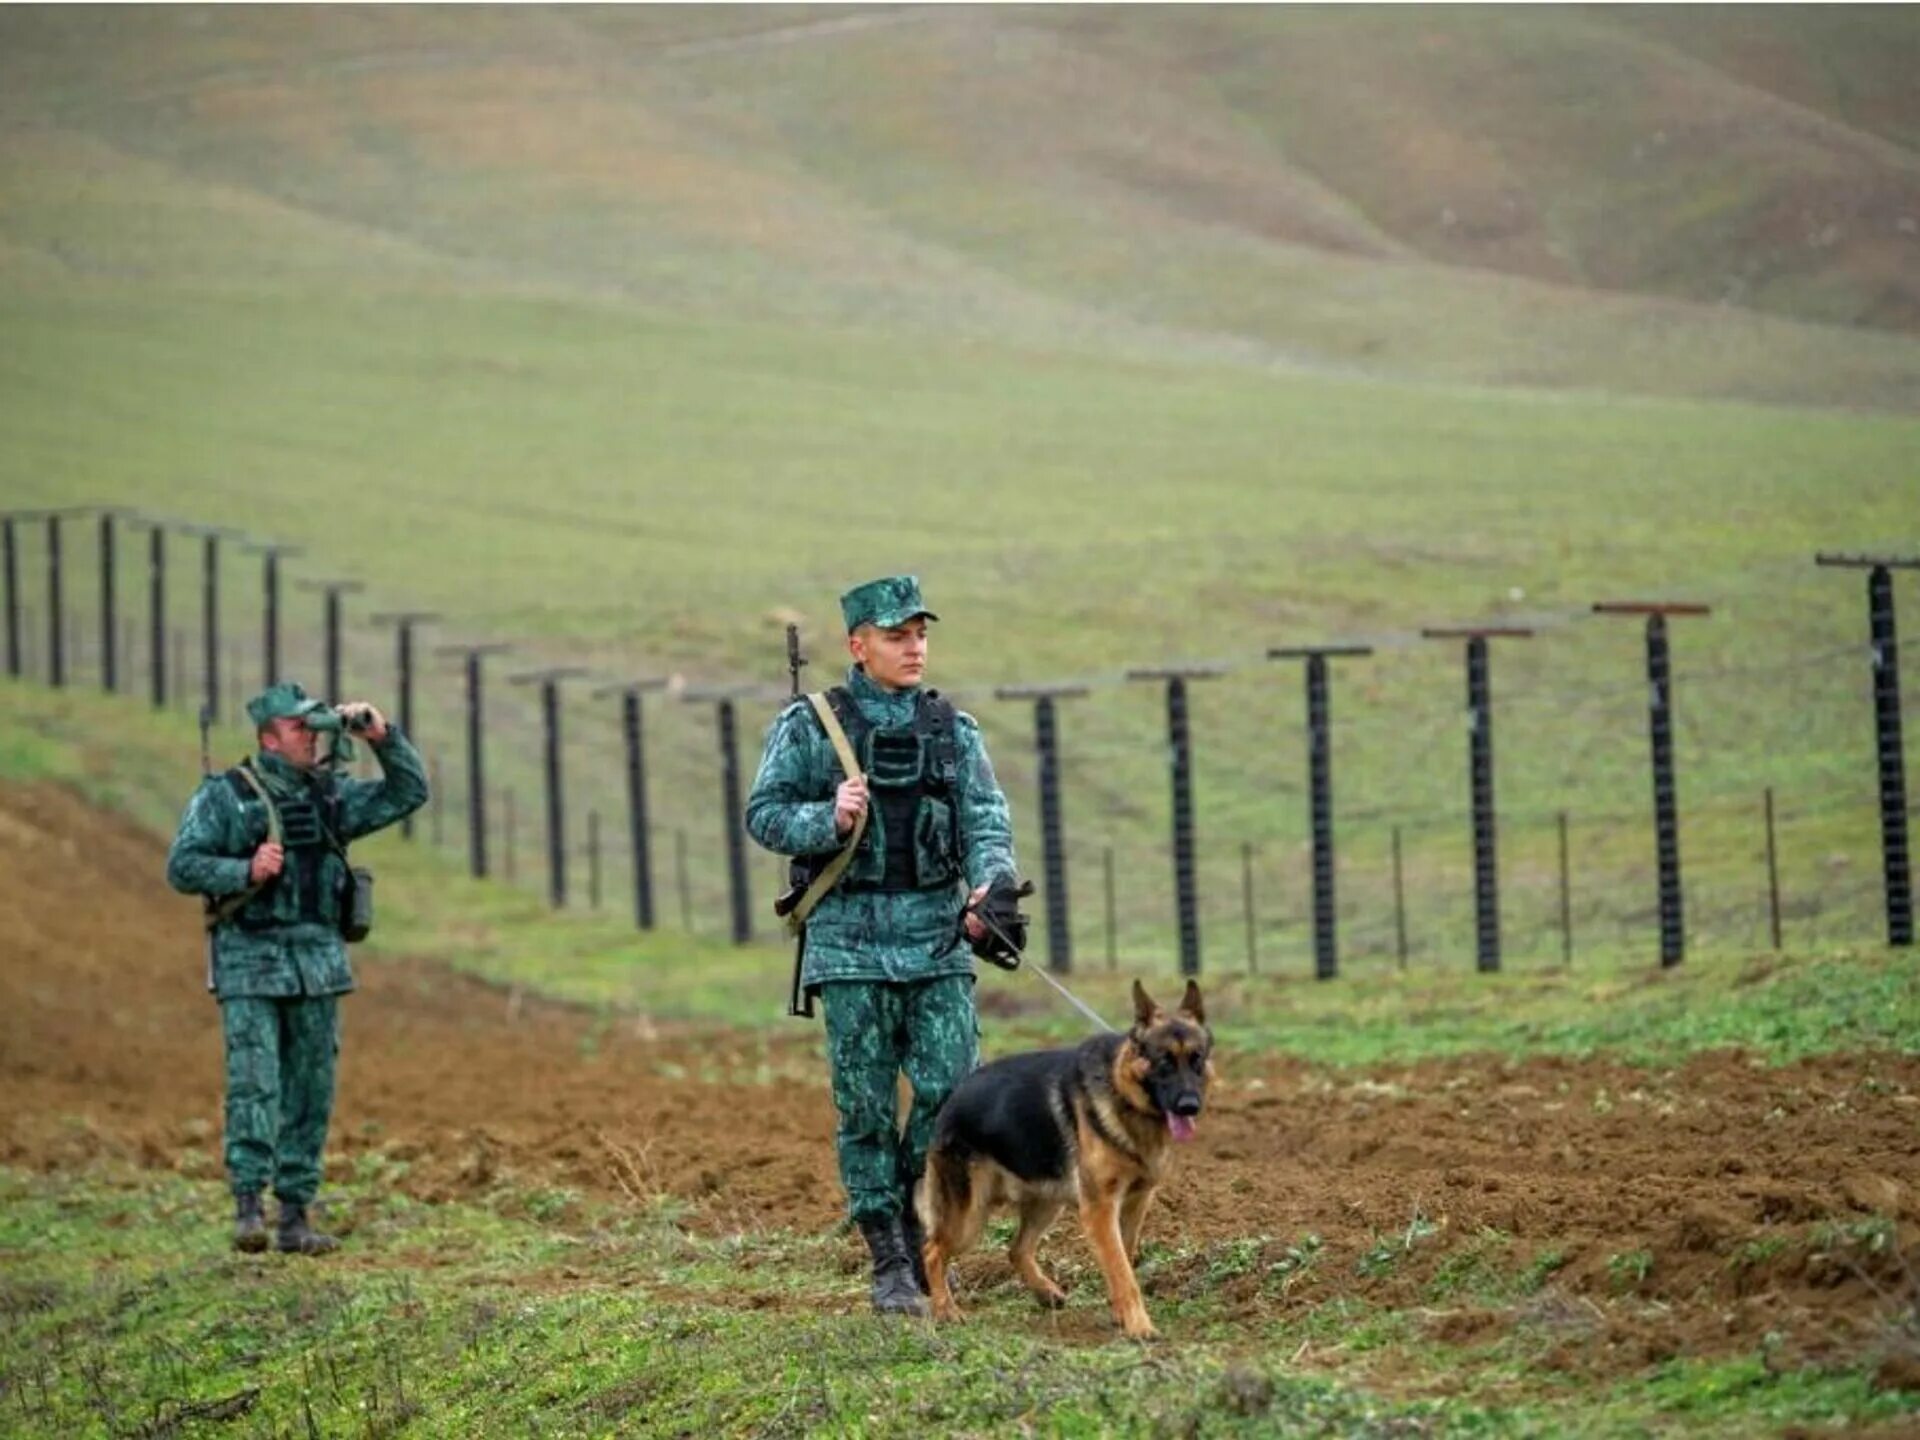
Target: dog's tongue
(1181, 1126)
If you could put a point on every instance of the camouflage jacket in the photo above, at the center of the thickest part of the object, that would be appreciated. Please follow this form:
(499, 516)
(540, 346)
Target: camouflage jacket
(268, 948)
(871, 935)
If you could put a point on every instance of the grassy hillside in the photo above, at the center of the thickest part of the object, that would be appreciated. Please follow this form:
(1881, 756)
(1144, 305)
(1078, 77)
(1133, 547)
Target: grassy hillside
(1667, 151)
(657, 496)
(1541, 198)
(628, 335)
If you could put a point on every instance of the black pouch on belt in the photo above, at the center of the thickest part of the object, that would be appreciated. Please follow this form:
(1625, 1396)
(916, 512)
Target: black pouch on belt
(356, 904)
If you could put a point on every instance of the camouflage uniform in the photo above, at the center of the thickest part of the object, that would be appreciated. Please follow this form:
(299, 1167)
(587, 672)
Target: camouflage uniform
(279, 964)
(892, 968)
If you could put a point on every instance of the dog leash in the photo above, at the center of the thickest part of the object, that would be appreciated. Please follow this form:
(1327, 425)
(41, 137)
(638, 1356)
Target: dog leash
(1065, 994)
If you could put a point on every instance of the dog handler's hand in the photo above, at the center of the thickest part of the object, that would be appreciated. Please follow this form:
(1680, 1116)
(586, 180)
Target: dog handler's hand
(976, 927)
(849, 804)
(267, 861)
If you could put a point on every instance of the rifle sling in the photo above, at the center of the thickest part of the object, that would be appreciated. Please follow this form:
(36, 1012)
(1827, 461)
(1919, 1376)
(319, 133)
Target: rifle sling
(836, 867)
(231, 906)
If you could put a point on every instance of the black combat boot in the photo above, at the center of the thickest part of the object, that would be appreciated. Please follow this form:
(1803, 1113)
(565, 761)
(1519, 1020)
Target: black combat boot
(914, 1237)
(249, 1224)
(297, 1237)
(894, 1290)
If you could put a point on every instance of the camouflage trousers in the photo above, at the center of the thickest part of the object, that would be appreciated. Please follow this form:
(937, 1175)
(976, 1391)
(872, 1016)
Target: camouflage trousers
(875, 1030)
(280, 1059)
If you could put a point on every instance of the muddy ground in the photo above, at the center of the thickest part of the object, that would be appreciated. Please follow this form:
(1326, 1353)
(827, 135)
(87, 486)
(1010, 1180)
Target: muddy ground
(1696, 1211)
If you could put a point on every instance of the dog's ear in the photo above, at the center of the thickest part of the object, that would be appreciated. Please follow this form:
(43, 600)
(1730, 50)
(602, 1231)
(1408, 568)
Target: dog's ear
(1143, 1007)
(1190, 1003)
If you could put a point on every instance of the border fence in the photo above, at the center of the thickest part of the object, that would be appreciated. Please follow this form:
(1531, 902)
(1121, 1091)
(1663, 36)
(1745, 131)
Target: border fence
(1507, 883)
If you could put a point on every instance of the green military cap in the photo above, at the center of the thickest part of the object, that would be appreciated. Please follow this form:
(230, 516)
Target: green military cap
(287, 701)
(890, 600)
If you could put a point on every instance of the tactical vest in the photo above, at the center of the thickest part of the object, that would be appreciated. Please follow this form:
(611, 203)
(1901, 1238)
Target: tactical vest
(308, 826)
(913, 790)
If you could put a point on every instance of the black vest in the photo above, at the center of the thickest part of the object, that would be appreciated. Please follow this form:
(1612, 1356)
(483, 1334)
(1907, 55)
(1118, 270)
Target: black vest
(308, 827)
(903, 767)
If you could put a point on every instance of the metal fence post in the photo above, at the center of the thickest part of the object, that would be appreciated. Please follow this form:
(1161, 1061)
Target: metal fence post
(333, 590)
(1180, 753)
(593, 860)
(210, 618)
(473, 655)
(733, 816)
(157, 612)
(270, 556)
(209, 611)
(1889, 739)
(403, 622)
(270, 619)
(10, 566)
(1326, 953)
(549, 682)
(1046, 743)
(1486, 864)
(639, 833)
(56, 606)
(109, 607)
(731, 803)
(1666, 804)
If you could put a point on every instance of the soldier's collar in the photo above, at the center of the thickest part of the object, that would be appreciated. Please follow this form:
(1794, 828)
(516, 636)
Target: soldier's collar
(283, 772)
(865, 687)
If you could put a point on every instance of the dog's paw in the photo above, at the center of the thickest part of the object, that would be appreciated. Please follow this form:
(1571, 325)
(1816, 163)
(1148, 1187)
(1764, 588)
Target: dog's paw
(1139, 1327)
(1051, 1298)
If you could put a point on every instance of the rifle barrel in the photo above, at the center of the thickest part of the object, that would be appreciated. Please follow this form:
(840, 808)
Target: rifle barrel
(795, 660)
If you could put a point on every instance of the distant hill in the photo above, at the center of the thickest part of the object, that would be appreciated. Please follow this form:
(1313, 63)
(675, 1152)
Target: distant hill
(625, 336)
(1696, 201)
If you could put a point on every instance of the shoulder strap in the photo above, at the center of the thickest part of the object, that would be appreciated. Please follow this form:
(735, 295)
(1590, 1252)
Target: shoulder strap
(836, 733)
(245, 772)
(836, 867)
(230, 906)
(853, 723)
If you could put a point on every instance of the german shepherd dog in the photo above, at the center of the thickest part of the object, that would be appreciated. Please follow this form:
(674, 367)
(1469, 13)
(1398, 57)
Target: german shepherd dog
(1093, 1126)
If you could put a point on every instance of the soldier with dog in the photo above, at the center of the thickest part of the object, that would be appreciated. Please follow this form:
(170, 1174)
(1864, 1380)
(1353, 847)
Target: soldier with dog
(883, 794)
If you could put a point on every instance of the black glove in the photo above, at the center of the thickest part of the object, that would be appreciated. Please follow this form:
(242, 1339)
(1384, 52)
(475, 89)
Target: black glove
(1006, 928)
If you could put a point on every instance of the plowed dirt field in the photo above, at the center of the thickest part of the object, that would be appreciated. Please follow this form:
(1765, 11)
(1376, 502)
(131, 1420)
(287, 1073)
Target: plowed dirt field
(1688, 1211)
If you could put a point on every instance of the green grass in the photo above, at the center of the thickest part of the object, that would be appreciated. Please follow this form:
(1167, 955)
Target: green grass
(121, 1308)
